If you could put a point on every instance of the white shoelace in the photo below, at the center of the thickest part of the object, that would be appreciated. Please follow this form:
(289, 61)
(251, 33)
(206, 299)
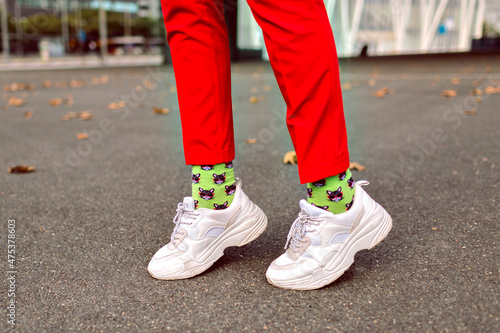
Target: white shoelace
(302, 224)
(183, 216)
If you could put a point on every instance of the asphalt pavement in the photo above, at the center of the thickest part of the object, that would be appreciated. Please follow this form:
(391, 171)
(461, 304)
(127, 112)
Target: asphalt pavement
(96, 209)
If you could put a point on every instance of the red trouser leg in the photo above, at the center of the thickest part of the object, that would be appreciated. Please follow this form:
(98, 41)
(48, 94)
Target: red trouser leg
(302, 52)
(198, 40)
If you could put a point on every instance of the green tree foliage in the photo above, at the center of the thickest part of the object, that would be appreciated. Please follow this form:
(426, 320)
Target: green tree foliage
(490, 30)
(48, 24)
(42, 24)
(11, 25)
(145, 26)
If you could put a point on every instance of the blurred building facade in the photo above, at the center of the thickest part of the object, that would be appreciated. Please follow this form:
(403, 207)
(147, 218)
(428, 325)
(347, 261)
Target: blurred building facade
(389, 27)
(75, 24)
(142, 8)
(382, 27)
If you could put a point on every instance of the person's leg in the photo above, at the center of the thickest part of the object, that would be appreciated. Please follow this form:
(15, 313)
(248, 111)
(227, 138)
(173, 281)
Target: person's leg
(320, 245)
(302, 52)
(219, 214)
(198, 40)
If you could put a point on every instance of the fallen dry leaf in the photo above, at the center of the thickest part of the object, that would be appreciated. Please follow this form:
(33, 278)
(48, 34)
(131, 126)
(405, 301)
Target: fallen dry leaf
(346, 86)
(469, 69)
(382, 92)
(47, 84)
(104, 79)
(251, 141)
(149, 84)
(160, 110)
(76, 83)
(290, 158)
(471, 112)
(490, 90)
(55, 101)
(356, 166)
(22, 169)
(372, 82)
(28, 114)
(477, 92)
(449, 93)
(478, 99)
(253, 99)
(455, 81)
(16, 101)
(69, 115)
(95, 81)
(60, 84)
(117, 105)
(82, 136)
(85, 115)
(18, 86)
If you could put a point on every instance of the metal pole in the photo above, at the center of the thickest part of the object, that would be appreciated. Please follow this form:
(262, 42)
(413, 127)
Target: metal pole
(128, 23)
(19, 32)
(478, 30)
(5, 30)
(64, 24)
(103, 33)
(79, 26)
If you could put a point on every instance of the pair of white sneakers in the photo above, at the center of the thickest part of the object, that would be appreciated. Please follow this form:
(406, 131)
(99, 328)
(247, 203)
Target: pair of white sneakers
(319, 249)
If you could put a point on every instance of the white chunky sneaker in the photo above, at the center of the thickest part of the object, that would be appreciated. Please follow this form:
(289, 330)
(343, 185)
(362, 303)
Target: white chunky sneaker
(200, 236)
(321, 246)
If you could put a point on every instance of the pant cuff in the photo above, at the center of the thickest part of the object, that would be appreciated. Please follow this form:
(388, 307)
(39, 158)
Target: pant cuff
(313, 172)
(209, 157)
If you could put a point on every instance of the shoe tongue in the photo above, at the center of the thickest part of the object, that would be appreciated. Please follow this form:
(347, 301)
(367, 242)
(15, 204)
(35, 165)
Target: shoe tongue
(189, 202)
(310, 209)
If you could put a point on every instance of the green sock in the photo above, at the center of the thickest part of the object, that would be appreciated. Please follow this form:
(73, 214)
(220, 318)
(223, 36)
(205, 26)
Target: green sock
(213, 185)
(334, 194)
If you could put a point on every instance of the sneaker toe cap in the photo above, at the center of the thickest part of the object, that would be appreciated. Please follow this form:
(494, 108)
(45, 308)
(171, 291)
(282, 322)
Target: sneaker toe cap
(284, 269)
(166, 263)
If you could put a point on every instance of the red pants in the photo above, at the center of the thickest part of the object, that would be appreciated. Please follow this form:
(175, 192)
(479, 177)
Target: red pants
(302, 52)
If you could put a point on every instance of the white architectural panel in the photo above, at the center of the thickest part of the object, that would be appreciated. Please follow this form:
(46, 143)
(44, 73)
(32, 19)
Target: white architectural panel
(390, 26)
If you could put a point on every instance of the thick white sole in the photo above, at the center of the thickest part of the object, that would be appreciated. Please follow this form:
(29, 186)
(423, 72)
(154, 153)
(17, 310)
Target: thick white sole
(365, 238)
(246, 229)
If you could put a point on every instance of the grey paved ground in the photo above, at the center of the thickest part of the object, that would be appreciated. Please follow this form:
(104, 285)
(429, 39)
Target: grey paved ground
(91, 216)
